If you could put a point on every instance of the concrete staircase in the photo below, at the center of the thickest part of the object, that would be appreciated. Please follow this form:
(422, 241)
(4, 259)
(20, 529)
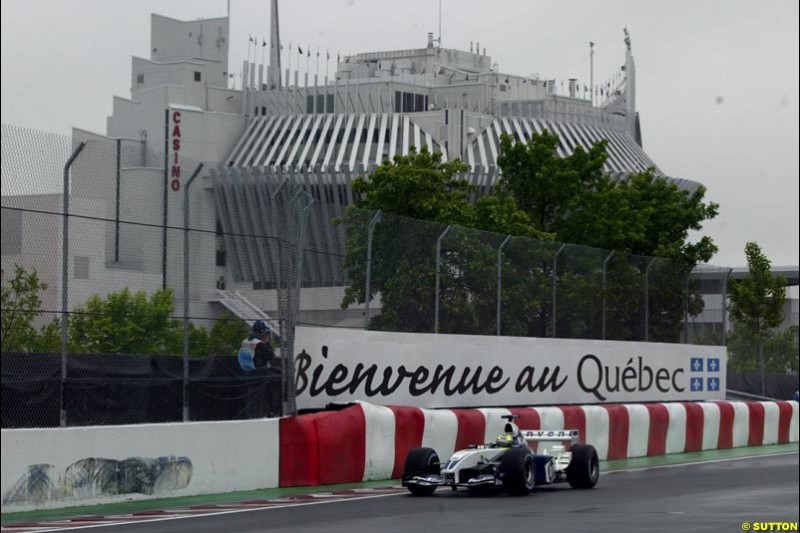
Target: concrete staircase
(239, 305)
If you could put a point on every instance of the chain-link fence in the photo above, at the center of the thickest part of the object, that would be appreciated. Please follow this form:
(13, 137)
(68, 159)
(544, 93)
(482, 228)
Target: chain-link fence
(130, 280)
(116, 308)
(425, 277)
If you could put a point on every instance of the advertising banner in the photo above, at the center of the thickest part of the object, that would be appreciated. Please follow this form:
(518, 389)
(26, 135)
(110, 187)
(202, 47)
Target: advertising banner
(428, 370)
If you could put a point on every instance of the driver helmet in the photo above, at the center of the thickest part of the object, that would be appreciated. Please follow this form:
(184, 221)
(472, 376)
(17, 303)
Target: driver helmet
(505, 440)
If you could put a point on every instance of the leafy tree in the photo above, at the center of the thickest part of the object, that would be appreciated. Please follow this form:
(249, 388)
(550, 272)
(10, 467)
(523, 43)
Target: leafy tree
(779, 349)
(547, 187)
(643, 215)
(422, 187)
(577, 201)
(198, 340)
(226, 335)
(540, 197)
(123, 322)
(757, 302)
(223, 338)
(419, 186)
(47, 339)
(21, 304)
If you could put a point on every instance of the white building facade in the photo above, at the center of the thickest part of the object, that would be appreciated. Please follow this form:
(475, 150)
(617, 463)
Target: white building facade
(320, 132)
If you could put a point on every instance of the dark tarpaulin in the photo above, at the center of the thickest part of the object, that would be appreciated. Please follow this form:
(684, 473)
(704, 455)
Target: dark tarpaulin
(30, 390)
(132, 389)
(779, 386)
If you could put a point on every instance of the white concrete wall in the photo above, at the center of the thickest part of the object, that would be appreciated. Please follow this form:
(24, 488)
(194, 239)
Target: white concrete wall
(204, 40)
(179, 73)
(197, 458)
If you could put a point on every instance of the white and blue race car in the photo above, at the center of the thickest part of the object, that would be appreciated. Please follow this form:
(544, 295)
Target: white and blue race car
(508, 463)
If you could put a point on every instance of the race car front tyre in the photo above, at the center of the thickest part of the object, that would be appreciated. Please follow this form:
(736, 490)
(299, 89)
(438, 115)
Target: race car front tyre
(421, 462)
(518, 471)
(584, 467)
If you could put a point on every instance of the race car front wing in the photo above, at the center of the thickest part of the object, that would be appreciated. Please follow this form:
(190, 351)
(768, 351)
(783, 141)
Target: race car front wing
(448, 479)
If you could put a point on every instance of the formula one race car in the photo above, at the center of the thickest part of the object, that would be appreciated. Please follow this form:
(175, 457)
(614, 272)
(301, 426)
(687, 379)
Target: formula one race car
(508, 463)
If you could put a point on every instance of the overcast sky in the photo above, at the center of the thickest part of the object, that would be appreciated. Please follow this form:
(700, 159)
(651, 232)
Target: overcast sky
(717, 80)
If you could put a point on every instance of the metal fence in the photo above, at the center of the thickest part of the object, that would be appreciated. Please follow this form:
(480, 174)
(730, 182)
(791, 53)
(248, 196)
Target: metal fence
(128, 285)
(115, 304)
(426, 277)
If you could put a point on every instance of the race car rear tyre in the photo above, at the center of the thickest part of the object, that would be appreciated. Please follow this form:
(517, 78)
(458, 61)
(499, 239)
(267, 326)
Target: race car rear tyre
(584, 467)
(518, 471)
(421, 462)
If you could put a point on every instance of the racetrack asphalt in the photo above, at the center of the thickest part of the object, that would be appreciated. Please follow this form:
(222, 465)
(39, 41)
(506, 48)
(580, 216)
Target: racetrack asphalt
(712, 496)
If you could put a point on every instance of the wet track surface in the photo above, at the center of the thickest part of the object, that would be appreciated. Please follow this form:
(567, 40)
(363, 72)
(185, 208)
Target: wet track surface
(714, 496)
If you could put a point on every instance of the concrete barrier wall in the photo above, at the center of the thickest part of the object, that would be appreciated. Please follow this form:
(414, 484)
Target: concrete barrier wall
(366, 442)
(44, 468)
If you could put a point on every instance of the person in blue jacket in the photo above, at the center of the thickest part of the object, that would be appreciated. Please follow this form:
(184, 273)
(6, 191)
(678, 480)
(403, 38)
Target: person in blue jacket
(796, 395)
(255, 358)
(256, 351)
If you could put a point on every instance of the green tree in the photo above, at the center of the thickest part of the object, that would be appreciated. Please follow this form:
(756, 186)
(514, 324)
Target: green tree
(226, 335)
(419, 186)
(47, 339)
(540, 197)
(123, 322)
(757, 302)
(422, 187)
(198, 340)
(779, 348)
(21, 304)
(574, 199)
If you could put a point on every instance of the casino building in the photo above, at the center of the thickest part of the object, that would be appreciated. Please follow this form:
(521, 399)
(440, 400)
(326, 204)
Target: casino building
(320, 133)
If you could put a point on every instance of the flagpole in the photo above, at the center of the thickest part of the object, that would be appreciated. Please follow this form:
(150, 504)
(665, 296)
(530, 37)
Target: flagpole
(308, 59)
(591, 66)
(440, 23)
(280, 55)
(249, 42)
(316, 73)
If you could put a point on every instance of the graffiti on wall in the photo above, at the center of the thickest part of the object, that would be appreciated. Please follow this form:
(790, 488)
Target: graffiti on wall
(96, 477)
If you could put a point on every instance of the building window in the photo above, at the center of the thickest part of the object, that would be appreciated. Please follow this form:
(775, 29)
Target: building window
(309, 104)
(80, 267)
(11, 226)
(197, 75)
(263, 110)
(140, 78)
(329, 104)
(410, 102)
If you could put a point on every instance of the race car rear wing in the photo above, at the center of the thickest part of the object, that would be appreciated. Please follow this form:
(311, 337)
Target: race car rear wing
(545, 435)
(541, 435)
